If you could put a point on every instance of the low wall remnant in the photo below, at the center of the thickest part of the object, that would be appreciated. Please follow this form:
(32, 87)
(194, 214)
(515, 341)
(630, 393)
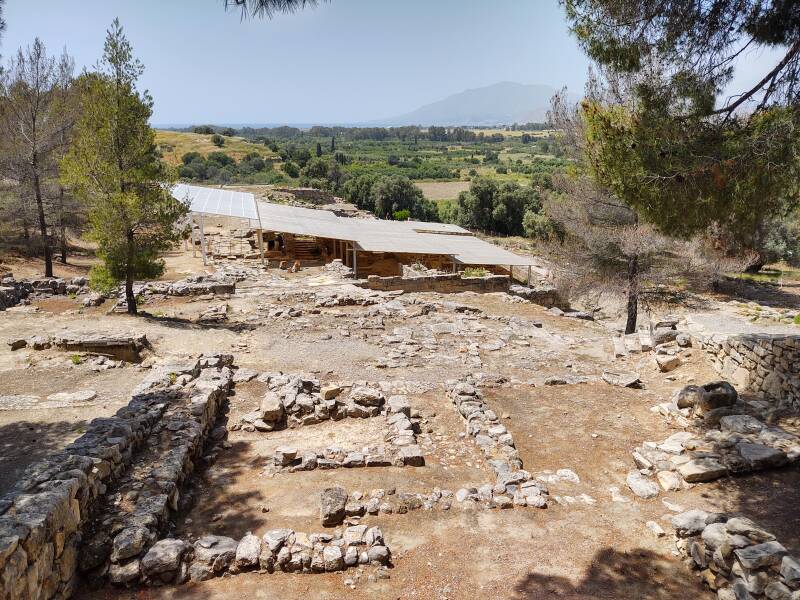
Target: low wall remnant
(768, 364)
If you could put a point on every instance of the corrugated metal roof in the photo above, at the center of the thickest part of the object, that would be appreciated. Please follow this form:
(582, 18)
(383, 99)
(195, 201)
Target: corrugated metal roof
(215, 201)
(370, 235)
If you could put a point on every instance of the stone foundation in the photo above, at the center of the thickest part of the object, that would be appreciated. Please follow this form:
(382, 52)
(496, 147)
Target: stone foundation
(760, 363)
(735, 557)
(444, 284)
(513, 486)
(13, 292)
(79, 511)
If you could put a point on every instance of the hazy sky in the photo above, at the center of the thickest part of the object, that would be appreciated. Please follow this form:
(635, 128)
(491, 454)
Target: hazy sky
(345, 61)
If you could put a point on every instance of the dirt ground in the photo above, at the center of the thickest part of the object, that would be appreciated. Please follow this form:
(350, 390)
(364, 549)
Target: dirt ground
(584, 545)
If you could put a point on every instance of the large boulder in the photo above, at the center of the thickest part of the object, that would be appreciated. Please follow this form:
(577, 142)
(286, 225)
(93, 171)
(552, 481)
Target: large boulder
(717, 394)
(688, 396)
(332, 505)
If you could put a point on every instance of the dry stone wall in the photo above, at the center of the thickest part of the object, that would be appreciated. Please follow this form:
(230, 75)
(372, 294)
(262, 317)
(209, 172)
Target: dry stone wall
(737, 558)
(294, 401)
(761, 363)
(449, 283)
(95, 507)
(13, 291)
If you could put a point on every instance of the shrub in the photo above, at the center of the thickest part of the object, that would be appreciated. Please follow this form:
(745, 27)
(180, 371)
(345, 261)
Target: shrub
(401, 215)
(475, 272)
(291, 169)
(101, 280)
(218, 140)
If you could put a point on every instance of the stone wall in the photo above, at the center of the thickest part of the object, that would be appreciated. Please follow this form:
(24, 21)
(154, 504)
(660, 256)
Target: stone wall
(761, 363)
(449, 283)
(310, 194)
(735, 557)
(13, 291)
(47, 520)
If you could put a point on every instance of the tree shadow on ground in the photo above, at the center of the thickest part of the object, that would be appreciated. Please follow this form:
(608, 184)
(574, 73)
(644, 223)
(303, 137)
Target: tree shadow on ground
(639, 574)
(770, 498)
(215, 503)
(768, 294)
(22, 443)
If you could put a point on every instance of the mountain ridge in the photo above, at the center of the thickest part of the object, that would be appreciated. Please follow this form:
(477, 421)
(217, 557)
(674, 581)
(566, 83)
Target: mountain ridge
(502, 103)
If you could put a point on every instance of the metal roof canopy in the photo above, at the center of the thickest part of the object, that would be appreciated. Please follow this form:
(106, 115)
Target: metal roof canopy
(214, 201)
(369, 235)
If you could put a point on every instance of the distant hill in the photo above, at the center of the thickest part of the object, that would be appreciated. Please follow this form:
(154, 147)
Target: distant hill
(501, 103)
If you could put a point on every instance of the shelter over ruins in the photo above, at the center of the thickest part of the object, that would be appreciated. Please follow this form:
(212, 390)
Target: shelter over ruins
(369, 246)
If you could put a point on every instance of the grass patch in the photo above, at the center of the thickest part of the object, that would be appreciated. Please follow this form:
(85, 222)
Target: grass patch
(174, 144)
(76, 359)
(770, 275)
(475, 272)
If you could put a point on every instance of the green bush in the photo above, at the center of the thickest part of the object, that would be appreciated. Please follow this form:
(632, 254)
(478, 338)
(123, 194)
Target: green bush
(101, 280)
(291, 169)
(475, 272)
(218, 140)
(402, 215)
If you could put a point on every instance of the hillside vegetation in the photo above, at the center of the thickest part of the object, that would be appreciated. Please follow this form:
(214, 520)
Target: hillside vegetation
(174, 144)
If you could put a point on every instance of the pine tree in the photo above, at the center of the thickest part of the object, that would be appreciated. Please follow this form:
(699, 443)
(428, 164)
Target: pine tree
(113, 166)
(319, 149)
(33, 126)
(333, 144)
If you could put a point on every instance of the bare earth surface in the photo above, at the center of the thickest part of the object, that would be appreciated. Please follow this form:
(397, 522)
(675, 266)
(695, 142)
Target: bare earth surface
(584, 545)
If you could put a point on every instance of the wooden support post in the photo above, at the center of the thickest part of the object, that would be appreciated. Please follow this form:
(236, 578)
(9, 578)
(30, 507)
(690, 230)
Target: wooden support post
(261, 245)
(202, 240)
(194, 237)
(355, 262)
(528, 282)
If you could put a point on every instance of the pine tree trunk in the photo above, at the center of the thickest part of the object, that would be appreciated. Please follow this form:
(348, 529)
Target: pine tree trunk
(129, 274)
(633, 294)
(48, 253)
(62, 226)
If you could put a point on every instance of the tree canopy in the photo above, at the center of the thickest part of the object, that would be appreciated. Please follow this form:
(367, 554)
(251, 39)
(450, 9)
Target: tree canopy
(658, 131)
(268, 8)
(114, 167)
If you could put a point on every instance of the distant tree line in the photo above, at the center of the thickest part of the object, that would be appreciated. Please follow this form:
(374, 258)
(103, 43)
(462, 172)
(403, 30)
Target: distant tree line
(409, 133)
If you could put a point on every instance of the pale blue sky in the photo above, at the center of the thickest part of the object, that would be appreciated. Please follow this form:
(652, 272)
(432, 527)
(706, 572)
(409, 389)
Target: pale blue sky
(345, 61)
